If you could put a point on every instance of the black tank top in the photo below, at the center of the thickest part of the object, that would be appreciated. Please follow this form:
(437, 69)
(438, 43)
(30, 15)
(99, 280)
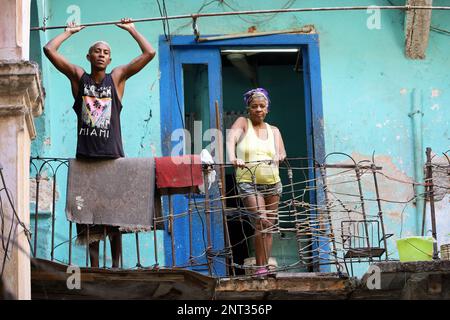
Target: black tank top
(98, 110)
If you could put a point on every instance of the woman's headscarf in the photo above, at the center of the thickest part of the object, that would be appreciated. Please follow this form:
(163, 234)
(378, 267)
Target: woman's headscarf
(254, 93)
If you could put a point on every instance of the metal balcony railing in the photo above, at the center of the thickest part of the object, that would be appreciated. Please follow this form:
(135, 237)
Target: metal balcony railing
(320, 203)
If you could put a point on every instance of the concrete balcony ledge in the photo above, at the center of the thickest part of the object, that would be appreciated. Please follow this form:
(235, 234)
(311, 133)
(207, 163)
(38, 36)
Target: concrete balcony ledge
(21, 91)
(422, 280)
(415, 266)
(286, 286)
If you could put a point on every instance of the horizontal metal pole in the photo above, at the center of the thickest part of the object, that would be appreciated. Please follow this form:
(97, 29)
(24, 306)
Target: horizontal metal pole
(349, 166)
(250, 12)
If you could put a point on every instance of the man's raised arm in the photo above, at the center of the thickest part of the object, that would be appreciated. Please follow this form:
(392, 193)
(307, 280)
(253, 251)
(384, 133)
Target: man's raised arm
(123, 72)
(73, 72)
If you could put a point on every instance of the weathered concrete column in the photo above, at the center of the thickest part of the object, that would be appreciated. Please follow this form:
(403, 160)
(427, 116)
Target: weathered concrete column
(15, 29)
(21, 99)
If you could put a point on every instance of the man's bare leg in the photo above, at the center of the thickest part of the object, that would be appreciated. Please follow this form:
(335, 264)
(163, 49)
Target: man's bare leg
(116, 248)
(93, 253)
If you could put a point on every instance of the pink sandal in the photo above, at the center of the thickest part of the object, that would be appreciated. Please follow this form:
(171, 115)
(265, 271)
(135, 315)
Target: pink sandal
(261, 272)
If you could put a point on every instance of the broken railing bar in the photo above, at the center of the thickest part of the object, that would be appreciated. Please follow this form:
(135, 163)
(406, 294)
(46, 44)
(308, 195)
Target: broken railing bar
(250, 12)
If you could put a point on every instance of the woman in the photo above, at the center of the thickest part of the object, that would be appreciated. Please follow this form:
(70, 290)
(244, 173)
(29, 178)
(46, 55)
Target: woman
(255, 148)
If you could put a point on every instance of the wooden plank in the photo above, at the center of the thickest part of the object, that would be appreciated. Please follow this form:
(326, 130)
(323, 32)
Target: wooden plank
(417, 29)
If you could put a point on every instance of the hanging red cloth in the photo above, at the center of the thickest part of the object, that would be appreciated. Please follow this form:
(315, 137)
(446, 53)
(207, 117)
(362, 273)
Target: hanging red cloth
(179, 172)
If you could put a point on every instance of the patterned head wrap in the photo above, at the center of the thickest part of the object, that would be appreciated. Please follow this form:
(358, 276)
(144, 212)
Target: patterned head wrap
(256, 93)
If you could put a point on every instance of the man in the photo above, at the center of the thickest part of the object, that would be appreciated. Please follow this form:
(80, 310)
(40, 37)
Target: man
(98, 105)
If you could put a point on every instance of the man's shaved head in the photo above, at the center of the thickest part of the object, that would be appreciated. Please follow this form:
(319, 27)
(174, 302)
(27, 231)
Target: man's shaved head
(97, 43)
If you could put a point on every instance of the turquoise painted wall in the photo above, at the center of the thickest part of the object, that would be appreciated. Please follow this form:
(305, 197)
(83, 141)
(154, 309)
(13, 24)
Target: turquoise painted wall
(367, 82)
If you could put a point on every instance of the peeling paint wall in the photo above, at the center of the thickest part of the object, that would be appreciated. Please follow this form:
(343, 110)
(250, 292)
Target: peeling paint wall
(367, 83)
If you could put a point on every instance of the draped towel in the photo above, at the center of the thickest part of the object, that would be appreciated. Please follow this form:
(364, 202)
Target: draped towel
(119, 192)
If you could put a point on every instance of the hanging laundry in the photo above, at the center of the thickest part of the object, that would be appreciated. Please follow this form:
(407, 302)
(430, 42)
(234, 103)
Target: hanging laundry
(179, 175)
(207, 159)
(118, 192)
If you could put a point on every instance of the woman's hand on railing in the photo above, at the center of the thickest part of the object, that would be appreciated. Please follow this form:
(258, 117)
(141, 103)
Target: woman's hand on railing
(279, 158)
(238, 163)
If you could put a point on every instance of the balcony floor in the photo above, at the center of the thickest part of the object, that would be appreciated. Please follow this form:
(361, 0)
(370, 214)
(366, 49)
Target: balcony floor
(410, 280)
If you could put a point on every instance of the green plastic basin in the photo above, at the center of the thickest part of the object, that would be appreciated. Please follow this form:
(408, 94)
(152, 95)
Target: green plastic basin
(415, 249)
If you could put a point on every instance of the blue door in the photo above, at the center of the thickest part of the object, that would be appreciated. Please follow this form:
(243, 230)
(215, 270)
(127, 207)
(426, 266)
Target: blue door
(191, 83)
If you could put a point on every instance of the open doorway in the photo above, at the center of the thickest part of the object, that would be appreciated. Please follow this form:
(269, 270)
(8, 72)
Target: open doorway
(280, 71)
(288, 66)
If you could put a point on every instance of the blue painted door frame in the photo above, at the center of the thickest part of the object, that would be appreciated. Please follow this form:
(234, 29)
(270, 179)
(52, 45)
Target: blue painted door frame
(184, 49)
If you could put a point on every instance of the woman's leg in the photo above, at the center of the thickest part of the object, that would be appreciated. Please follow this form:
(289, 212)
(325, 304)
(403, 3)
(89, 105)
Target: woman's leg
(270, 221)
(255, 204)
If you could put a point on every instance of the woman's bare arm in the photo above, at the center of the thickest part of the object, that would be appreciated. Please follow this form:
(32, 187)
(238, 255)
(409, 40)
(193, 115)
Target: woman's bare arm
(234, 134)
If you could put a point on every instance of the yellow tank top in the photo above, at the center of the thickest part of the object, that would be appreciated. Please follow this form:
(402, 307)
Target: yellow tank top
(250, 149)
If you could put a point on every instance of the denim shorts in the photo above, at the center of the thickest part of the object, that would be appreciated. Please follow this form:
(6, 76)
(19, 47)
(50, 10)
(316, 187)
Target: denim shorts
(248, 189)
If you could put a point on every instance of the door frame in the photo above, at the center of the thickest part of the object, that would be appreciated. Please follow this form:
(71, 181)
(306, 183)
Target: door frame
(309, 44)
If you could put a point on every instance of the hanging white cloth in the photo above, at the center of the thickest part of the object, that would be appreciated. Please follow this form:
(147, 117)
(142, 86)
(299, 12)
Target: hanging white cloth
(206, 158)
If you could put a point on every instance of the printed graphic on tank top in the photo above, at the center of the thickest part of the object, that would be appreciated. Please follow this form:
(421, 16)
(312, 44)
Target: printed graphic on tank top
(98, 110)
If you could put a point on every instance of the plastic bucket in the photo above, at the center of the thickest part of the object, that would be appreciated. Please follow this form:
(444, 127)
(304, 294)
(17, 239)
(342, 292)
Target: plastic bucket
(415, 249)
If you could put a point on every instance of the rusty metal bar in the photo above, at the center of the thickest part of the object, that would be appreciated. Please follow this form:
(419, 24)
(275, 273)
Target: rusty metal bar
(430, 185)
(171, 231)
(139, 265)
(424, 211)
(70, 242)
(251, 12)
(380, 212)
(104, 246)
(154, 238)
(36, 212)
(53, 217)
(87, 246)
(155, 246)
(121, 250)
(208, 222)
(191, 257)
(229, 257)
